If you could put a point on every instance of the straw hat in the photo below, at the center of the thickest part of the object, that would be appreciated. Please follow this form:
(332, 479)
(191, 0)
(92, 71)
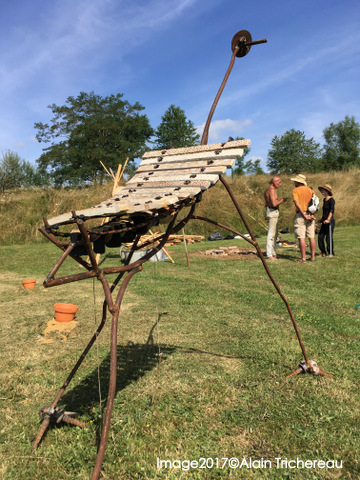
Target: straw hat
(326, 187)
(299, 179)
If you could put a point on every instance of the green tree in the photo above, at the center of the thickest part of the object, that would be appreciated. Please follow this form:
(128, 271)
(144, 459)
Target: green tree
(240, 166)
(294, 153)
(16, 172)
(89, 129)
(246, 168)
(175, 130)
(342, 144)
(253, 167)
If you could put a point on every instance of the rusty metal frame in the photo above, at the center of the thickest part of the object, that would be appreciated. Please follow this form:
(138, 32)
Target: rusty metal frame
(241, 45)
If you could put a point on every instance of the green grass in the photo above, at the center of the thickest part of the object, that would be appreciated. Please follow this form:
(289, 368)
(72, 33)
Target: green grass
(227, 345)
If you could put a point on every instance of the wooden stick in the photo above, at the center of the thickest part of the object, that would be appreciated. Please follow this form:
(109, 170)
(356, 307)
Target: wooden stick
(165, 251)
(186, 250)
(106, 170)
(117, 178)
(123, 170)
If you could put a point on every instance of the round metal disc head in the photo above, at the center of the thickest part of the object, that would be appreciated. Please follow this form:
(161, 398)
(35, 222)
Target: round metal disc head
(240, 39)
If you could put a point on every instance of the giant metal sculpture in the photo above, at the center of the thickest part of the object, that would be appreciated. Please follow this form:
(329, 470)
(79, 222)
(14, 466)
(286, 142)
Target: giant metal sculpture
(165, 182)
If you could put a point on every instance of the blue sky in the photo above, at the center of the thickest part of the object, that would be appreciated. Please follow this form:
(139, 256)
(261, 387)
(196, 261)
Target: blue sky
(162, 52)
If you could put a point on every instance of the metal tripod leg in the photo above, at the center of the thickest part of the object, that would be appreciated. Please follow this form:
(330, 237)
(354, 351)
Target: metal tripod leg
(112, 383)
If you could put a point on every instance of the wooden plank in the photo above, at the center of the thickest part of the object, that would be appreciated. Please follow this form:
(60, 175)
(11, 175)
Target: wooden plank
(93, 212)
(144, 195)
(159, 190)
(190, 173)
(152, 176)
(107, 210)
(197, 156)
(204, 185)
(151, 203)
(198, 148)
(137, 179)
(211, 164)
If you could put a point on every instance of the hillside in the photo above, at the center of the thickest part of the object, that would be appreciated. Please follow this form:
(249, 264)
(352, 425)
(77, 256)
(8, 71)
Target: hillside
(21, 211)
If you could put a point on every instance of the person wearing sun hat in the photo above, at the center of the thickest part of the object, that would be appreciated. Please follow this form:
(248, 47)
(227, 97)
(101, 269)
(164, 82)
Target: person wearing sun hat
(327, 221)
(304, 223)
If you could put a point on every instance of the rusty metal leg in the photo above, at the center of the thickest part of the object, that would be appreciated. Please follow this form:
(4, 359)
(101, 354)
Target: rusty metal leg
(46, 420)
(112, 384)
(309, 364)
(258, 249)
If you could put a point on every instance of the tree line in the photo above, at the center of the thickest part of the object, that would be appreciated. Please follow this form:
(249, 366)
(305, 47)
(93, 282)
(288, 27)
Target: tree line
(90, 128)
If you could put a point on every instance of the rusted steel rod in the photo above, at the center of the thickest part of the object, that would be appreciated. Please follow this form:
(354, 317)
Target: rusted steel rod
(112, 383)
(53, 282)
(136, 266)
(87, 243)
(63, 246)
(205, 135)
(256, 42)
(107, 291)
(61, 260)
(46, 420)
(258, 249)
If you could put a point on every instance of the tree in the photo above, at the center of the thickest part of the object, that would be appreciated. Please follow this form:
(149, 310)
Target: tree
(342, 144)
(240, 166)
(89, 129)
(294, 153)
(16, 172)
(175, 130)
(246, 168)
(253, 167)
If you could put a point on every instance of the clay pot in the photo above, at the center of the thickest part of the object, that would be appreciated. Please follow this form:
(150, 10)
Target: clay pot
(65, 312)
(29, 283)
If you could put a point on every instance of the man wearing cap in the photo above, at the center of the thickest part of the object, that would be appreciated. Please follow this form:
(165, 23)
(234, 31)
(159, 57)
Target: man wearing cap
(304, 224)
(272, 203)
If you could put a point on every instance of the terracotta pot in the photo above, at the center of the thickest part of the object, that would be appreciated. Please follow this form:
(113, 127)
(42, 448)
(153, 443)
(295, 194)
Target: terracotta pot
(65, 312)
(29, 283)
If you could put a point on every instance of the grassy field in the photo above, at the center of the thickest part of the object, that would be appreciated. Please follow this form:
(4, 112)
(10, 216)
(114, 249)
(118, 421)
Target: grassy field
(227, 345)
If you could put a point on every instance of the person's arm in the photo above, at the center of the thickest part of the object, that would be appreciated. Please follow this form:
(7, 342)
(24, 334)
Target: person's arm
(331, 212)
(304, 214)
(274, 201)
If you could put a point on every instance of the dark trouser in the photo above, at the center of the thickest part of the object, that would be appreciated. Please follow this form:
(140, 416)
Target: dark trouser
(324, 234)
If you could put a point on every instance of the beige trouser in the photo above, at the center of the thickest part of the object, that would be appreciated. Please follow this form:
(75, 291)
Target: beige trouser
(303, 228)
(272, 216)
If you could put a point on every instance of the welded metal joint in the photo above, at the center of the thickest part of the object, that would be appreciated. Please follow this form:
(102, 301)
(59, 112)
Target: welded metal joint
(59, 415)
(309, 367)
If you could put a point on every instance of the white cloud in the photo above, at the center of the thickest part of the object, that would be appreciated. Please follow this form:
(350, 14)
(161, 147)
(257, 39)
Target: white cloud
(220, 130)
(82, 33)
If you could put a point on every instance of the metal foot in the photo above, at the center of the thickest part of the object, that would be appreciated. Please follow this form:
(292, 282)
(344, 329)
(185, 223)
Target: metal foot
(311, 367)
(57, 415)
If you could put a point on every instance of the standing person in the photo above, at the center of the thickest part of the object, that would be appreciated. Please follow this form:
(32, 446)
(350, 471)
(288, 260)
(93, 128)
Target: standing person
(327, 221)
(272, 203)
(304, 223)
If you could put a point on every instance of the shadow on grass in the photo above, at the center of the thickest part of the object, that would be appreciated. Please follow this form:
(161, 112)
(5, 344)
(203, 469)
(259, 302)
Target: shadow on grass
(133, 362)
